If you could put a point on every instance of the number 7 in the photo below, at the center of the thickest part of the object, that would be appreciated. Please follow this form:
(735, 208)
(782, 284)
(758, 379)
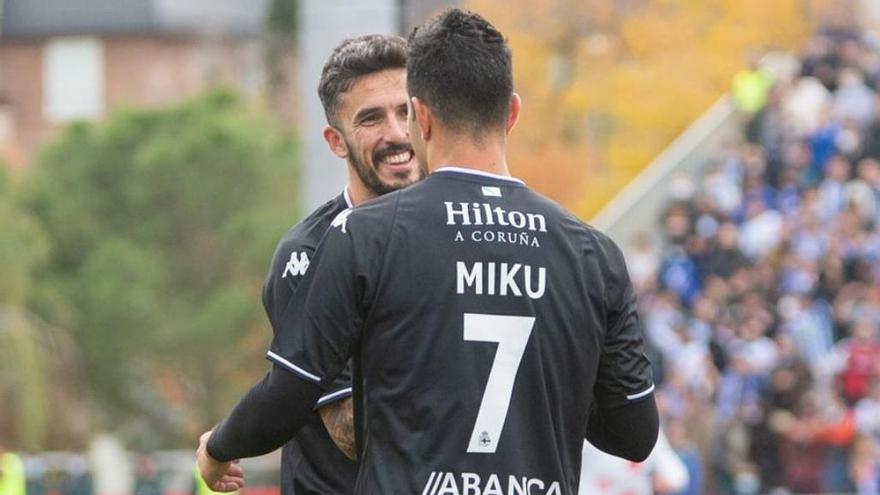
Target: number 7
(512, 334)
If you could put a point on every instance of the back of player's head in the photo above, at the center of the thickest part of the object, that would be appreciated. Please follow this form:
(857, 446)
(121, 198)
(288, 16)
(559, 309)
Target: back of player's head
(353, 59)
(460, 66)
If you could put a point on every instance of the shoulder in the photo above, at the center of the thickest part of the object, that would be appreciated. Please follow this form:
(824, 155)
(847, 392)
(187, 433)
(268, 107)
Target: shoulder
(600, 254)
(367, 219)
(309, 230)
(592, 238)
(298, 244)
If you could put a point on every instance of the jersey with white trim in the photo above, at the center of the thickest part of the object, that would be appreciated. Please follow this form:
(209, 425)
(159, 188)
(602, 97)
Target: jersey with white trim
(310, 463)
(487, 322)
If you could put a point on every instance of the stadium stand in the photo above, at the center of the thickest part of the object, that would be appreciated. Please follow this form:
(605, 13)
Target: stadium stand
(760, 292)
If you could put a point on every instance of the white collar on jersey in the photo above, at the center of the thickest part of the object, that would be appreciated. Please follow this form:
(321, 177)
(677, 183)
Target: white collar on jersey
(347, 197)
(480, 173)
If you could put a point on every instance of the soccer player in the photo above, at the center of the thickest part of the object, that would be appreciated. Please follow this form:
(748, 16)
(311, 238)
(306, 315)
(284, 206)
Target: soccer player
(363, 91)
(492, 330)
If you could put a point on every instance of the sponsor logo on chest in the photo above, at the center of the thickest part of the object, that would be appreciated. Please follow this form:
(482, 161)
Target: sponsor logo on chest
(494, 224)
(485, 214)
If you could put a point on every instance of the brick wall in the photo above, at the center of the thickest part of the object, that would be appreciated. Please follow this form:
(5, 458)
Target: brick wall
(138, 70)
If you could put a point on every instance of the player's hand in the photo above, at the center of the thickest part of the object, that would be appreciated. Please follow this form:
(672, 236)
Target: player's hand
(219, 476)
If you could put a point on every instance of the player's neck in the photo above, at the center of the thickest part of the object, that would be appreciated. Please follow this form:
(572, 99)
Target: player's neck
(357, 192)
(487, 155)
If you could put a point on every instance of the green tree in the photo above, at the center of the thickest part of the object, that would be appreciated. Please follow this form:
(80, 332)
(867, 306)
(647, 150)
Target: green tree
(24, 385)
(43, 403)
(22, 246)
(161, 224)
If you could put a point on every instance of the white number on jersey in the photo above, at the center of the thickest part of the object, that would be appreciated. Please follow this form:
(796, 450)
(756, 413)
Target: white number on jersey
(512, 334)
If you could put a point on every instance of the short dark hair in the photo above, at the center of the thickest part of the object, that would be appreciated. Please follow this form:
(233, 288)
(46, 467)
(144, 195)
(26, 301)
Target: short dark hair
(355, 58)
(460, 65)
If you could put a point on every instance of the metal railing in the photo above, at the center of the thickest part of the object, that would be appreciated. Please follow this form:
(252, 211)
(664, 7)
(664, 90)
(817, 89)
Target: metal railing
(637, 208)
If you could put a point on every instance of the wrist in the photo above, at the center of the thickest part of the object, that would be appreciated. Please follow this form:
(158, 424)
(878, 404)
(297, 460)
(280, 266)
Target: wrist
(214, 448)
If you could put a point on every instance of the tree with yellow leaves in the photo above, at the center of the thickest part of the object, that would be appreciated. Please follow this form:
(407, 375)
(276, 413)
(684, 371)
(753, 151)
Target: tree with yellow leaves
(607, 84)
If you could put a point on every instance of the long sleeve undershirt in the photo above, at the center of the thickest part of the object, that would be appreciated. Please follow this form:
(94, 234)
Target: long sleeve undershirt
(629, 431)
(267, 417)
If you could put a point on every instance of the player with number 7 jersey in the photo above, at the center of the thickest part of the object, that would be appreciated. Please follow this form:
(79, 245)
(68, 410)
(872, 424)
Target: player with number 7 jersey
(489, 322)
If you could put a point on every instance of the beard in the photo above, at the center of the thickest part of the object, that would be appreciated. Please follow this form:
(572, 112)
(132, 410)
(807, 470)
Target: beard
(368, 174)
(423, 167)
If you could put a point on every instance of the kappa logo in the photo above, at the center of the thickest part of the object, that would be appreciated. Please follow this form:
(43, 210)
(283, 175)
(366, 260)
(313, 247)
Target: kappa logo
(341, 220)
(297, 266)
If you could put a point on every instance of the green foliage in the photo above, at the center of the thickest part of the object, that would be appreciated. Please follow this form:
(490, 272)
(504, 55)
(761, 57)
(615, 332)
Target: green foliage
(33, 354)
(22, 249)
(22, 245)
(24, 386)
(161, 225)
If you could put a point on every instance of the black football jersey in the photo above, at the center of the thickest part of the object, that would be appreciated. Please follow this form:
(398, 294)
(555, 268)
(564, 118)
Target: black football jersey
(484, 322)
(311, 464)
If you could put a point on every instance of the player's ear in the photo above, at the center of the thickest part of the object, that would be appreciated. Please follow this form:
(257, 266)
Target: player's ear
(423, 117)
(513, 113)
(335, 141)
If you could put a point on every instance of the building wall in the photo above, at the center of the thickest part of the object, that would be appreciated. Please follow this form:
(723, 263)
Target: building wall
(137, 70)
(21, 92)
(156, 71)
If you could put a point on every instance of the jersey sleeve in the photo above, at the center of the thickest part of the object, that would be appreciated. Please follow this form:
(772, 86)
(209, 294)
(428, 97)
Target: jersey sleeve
(624, 370)
(289, 265)
(340, 389)
(320, 327)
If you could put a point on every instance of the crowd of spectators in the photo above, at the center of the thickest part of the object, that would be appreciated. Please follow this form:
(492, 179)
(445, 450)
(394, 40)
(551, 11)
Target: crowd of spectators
(761, 300)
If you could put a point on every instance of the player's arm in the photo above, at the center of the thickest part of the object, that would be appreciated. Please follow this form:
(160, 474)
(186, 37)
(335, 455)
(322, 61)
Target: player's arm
(337, 413)
(266, 418)
(289, 265)
(338, 419)
(335, 302)
(317, 333)
(315, 341)
(624, 420)
(628, 431)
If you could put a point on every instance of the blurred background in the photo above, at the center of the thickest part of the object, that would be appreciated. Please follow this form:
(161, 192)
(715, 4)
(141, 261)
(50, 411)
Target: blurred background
(152, 152)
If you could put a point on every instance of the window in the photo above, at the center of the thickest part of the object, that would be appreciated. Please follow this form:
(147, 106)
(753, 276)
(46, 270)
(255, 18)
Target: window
(73, 79)
(7, 122)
